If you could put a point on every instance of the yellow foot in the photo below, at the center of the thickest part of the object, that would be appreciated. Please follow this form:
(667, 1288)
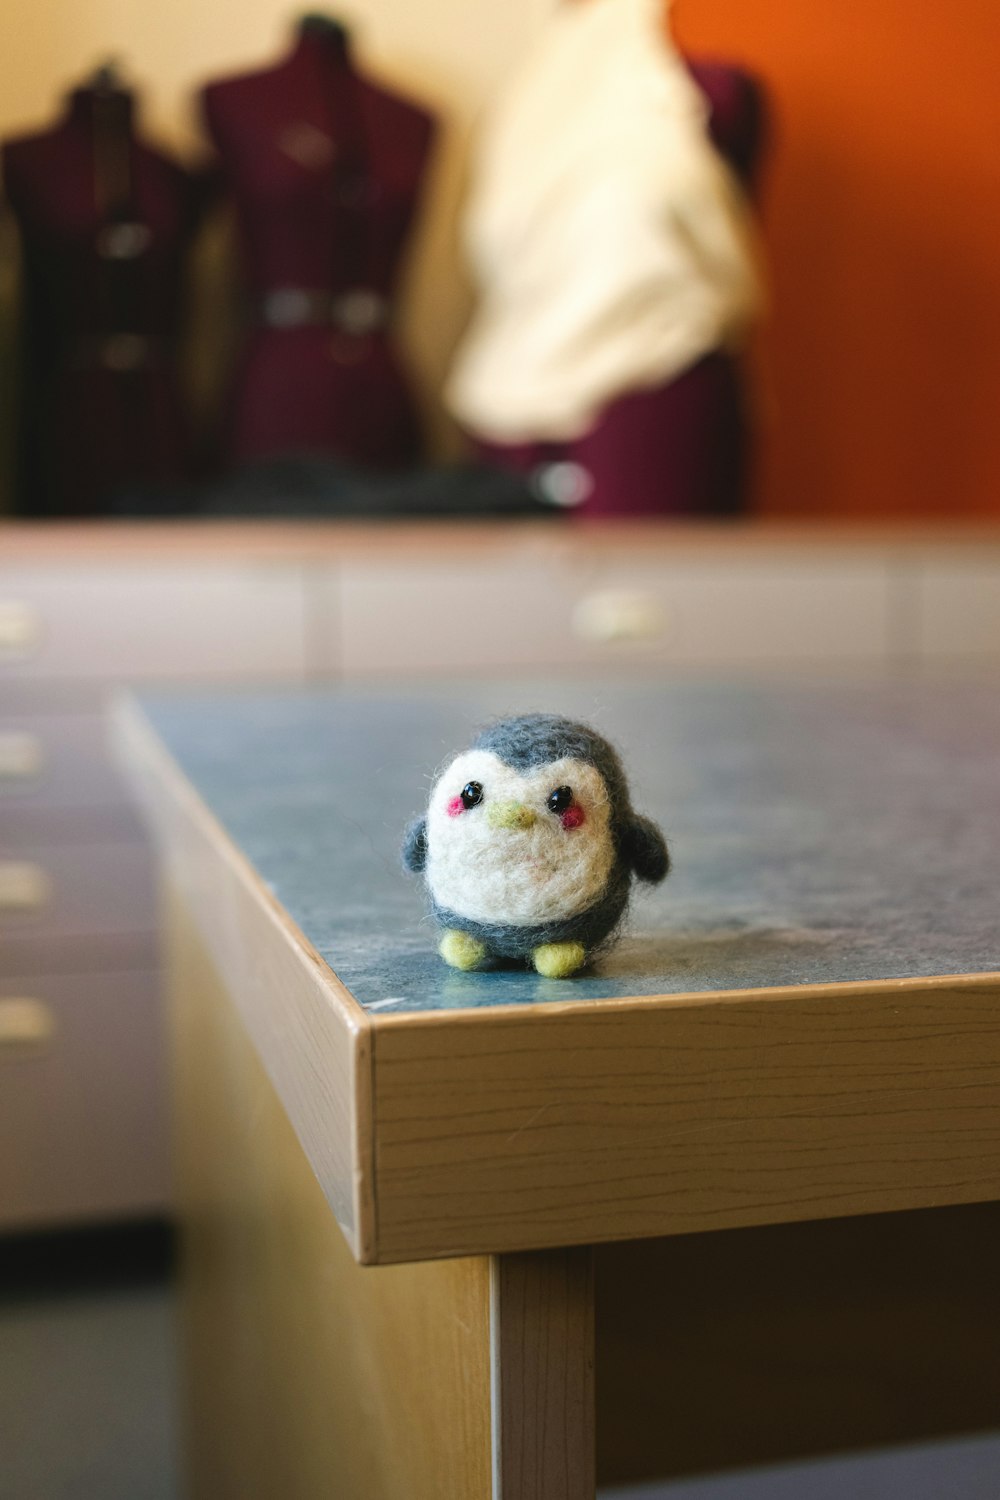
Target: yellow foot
(460, 950)
(559, 960)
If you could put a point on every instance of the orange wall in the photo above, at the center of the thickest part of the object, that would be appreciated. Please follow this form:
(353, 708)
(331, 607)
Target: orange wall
(881, 205)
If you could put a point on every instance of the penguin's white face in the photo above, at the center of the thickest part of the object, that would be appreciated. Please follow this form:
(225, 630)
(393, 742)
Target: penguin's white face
(518, 847)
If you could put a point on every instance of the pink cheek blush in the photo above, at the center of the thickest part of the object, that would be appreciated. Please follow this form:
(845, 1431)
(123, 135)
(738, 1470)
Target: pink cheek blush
(454, 807)
(573, 817)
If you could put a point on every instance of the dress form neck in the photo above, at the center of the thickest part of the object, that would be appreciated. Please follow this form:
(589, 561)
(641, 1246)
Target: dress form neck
(323, 42)
(91, 108)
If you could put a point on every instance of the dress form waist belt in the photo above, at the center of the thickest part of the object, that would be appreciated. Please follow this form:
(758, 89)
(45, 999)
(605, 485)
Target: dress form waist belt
(357, 311)
(120, 352)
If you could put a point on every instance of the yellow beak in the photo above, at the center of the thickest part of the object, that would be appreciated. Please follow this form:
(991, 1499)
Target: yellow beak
(509, 815)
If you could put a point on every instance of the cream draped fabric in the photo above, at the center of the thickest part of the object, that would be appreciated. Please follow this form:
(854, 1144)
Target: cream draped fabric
(611, 243)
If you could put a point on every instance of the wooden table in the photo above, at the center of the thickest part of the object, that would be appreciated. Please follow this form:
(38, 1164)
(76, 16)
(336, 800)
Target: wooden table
(410, 1196)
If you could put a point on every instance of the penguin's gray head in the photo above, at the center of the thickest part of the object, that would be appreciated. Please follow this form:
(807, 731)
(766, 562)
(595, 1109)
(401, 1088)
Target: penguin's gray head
(531, 823)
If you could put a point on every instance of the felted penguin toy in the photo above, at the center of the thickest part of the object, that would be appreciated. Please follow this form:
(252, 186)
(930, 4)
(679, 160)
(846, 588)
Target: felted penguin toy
(529, 846)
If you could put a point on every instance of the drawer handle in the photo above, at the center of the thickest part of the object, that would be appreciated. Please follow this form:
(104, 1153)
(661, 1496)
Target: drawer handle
(23, 886)
(21, 756)
(25, 1026)
(20, 628)
(619, 615)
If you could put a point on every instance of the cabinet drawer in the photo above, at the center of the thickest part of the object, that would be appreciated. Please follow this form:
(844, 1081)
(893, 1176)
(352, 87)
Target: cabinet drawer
(82, 1115)
(473, 615)
(192, 621)
(767, 610)
(468, 613)
(70, 953)
(57, 760)
(75, 890)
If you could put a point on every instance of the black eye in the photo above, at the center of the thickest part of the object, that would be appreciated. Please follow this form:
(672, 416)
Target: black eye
(472, 794)
(560, 799)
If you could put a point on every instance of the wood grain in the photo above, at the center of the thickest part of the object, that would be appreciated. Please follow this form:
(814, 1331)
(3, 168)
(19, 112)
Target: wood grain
(542, 1314)
(305, 1375)
(621, 1119)
(308, 1029)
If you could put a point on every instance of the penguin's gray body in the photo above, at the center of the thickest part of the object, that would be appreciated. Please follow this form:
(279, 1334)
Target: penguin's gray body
(534, 848)
(592, 928)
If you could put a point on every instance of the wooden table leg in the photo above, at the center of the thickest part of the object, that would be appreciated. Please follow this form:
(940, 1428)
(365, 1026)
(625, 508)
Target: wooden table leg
(306, 1376)
(542, 1358)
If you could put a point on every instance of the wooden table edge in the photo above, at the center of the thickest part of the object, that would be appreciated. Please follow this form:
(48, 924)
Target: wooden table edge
(191, 837)
(496, 1129)
(361, 1049)
(902, 986)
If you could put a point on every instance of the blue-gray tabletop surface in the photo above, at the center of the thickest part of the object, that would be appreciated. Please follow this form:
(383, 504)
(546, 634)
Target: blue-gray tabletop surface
(821, 832)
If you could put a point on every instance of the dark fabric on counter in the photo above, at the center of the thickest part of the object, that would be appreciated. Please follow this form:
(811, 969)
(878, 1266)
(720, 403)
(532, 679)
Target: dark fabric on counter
(310, 486)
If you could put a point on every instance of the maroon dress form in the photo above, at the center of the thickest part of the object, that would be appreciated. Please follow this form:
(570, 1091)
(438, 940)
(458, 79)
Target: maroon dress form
(104, 221)
(325, 169)
(679, 448)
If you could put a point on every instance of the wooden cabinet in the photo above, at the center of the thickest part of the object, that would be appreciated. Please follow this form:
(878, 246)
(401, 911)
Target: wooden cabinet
(88, 620)
(82, 1101)
(74, 890)
(56, 760)
(492, 610)
(555, 606)
(505, 601)
(764, 609)
(82, 1116)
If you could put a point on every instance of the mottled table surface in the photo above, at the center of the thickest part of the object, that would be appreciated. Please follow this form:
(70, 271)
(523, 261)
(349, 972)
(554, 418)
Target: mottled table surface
(821, 832)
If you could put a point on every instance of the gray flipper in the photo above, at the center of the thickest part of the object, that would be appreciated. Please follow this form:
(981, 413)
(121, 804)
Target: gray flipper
(646, 850)
(415, 846)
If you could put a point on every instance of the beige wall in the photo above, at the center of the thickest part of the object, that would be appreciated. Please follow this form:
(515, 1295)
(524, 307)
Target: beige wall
(448, 54)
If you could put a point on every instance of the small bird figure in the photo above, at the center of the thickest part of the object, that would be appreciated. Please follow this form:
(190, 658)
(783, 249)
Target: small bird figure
(529, 846)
